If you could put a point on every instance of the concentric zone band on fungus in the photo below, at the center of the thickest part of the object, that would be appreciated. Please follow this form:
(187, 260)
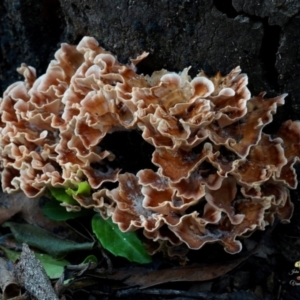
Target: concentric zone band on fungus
(219, 176)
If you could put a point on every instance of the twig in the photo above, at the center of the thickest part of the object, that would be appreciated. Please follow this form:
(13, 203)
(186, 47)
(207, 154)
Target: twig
(107, 259)
(79, 233)
(24, 296)
(193, 295)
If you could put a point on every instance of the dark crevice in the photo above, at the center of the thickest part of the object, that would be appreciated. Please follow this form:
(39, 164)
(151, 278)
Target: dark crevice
(132, 152)
(41, 33)
(47, 28)
(225, 6)
(268, 51)
(270, 41)
(146, 66)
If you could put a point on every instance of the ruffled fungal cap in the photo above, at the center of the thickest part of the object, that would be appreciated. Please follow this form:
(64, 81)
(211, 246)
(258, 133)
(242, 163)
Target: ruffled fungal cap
(219, 176)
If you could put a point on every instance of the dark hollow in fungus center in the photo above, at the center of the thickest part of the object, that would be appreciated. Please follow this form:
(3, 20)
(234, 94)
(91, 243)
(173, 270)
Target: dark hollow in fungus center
(132, 152)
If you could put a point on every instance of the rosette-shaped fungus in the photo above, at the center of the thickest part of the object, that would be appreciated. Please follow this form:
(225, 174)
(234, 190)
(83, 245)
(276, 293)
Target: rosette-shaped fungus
(218, 177)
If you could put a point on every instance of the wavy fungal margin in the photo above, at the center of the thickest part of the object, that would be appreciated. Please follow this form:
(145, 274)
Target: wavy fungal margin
(219, 176)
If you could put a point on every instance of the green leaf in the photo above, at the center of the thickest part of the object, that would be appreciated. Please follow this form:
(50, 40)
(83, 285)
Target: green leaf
(90, 258)
(53, 267)
(44, 240)
(60, 195)
(54, 211)
(83, 188)
(10, 254)
(66, 195)
(125, 244)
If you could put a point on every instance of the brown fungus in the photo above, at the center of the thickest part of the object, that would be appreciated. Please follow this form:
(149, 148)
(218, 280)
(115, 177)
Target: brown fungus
(219, 176)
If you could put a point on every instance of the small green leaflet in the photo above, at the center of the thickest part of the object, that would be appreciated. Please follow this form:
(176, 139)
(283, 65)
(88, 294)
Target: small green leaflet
(90, 258)
(60, 195)
(53, 267)
(66, 195)
(54, 211)
(125, 244)
(83, 188)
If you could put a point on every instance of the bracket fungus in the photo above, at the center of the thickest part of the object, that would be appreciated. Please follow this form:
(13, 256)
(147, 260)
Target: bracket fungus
(219, 177)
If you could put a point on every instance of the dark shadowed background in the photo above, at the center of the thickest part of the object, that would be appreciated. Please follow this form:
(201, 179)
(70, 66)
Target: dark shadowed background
(260, 36)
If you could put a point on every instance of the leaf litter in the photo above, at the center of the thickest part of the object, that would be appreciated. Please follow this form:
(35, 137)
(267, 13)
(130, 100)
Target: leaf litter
(40, 235)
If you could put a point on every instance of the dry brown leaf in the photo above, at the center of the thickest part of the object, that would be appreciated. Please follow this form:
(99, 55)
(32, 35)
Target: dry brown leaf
(10, 205)
(147, 278)
(8, 282)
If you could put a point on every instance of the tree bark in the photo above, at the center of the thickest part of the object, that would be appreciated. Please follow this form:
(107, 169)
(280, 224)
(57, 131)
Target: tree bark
(260, 36)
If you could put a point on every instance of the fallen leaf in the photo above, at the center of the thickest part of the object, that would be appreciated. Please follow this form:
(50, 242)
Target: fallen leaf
(45, 240)
(145, 278)
(9, 205)
(32, 213)
(30, 210)
(8, 283)
(53, 267)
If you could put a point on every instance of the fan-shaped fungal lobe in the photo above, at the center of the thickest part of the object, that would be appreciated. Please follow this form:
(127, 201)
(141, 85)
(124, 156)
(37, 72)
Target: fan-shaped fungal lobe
(219, 175)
